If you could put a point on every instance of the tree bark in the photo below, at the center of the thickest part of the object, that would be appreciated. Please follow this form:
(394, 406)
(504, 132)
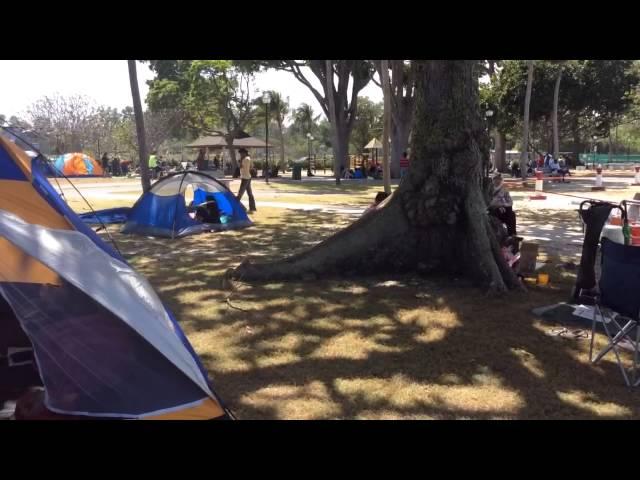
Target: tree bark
(281, 135)
(525, 129)
(556, 137)
(232, 155)
(402, 106)
(386, 93)
(436, 220)
(500, 156)
(577, 146)
(338, 147)
(145, 178)
(610, 155)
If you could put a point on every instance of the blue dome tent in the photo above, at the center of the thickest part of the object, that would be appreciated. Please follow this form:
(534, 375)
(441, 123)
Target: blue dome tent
(163, 210)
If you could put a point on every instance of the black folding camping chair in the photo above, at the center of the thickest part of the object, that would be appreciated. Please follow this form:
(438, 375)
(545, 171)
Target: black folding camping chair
(618, 304)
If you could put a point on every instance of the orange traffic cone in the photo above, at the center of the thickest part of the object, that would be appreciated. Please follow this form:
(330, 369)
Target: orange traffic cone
(539, 187)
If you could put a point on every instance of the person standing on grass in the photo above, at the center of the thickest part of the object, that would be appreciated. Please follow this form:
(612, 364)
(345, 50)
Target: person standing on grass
(105, 164)
(245, 178)
(153, 164)
(404, 165)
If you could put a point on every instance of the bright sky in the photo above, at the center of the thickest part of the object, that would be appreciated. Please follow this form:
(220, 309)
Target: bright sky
(22, 82)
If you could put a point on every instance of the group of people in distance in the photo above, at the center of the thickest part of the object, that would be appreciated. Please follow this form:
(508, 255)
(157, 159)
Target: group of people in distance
(546, 163)
(374, 170)
(114, 166)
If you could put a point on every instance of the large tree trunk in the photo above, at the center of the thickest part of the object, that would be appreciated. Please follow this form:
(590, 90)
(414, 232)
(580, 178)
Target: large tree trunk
(139, 116)
(386, 89)
(525, 129)
(556, 137)
(500, 157)
(436, 220)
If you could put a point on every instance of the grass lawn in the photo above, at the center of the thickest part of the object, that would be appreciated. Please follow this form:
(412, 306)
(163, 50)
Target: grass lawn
(387, 347)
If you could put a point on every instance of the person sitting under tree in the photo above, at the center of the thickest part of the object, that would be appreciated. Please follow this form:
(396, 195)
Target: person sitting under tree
(501, 205)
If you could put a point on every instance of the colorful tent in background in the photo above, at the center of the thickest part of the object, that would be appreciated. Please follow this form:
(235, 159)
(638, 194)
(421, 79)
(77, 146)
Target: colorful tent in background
(103, 342)
(77, 165)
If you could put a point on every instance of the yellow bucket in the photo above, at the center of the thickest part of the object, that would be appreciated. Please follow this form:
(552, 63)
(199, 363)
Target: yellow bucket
(543, 279)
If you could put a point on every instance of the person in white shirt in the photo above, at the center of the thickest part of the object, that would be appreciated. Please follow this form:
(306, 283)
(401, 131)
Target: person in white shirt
(245, 178)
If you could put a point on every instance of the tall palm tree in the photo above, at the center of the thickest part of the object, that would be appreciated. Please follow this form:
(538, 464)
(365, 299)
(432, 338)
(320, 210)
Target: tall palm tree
(279, 108)
(304, 118)
(142, 144)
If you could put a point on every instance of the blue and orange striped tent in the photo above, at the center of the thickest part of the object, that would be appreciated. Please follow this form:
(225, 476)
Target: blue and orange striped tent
(103, 342)
(77, 165)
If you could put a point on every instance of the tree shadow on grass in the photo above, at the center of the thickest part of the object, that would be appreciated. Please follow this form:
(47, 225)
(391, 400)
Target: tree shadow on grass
(385, 347)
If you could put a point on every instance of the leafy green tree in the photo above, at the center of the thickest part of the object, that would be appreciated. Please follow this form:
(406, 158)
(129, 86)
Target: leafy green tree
(215, 96)
(367, 124)
(340, 83)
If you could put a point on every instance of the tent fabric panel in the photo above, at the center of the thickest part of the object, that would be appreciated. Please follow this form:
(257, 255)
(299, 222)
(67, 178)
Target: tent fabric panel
(20, 199)
(20, 159)
(17, 266)
(9, 170)
(107, 216)
(175, 184)
(158, 214)
(46, 190)
(110, 282)
(207, 409)
(91, 362)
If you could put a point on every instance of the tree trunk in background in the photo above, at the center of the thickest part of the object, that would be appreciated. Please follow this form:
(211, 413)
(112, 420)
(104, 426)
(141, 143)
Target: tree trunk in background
(577, 148)
(402, 107)
(500, 156)
(610, 148)
(338, 138)
(232, 156)
(556, 137)
(145, 178)
(281, 134)
(525, 128)
(436, 220)
(386, 93)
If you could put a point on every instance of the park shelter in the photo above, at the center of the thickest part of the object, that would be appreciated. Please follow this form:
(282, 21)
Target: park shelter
(374, 146)
(104, 345)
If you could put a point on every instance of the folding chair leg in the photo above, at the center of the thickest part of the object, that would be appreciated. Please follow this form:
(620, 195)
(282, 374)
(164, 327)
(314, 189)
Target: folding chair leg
(593, 332)
(613, 346)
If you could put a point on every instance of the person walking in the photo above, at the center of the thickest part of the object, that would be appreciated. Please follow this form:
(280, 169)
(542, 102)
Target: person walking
(245, 178)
